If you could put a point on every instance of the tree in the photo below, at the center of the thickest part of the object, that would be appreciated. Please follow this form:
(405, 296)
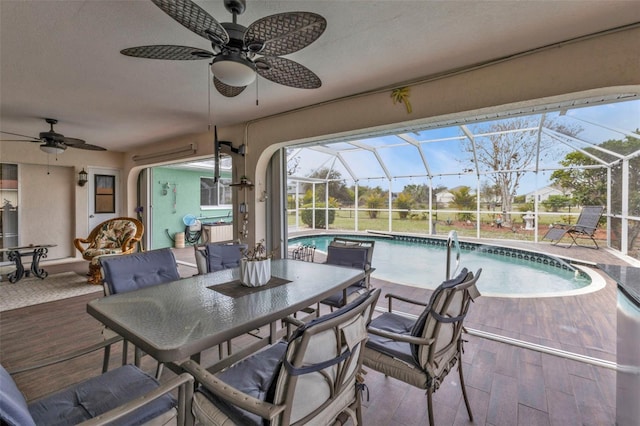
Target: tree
(337, 187)
(373, 200)
(555, 202)
(589, 186)
(463, 199)
(403, 202)
(509, 148)
(307, 214)
(418, 193)
(293, 162)
(490, 194)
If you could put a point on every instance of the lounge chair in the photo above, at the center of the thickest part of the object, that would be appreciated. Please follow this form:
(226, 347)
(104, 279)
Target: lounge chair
(309, 379)
(422, 351)
(585, 227)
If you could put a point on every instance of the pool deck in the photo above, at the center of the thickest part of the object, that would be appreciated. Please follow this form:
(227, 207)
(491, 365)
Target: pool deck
(512, 385)
(507, 385)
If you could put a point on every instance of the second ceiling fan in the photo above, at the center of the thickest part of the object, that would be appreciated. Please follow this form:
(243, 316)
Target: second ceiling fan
(240, 52)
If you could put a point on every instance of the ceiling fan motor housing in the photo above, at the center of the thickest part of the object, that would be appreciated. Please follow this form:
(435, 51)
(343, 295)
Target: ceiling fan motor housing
(236, 7)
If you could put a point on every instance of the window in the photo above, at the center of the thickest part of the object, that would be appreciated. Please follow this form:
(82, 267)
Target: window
(105, 194)
(8, 207)
(215, 194)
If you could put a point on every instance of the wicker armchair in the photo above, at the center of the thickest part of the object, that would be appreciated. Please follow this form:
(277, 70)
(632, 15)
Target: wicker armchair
(111, 237)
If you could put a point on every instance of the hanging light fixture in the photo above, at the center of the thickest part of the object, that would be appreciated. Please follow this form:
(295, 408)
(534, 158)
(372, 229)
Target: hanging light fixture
(82, 177)
(234, 69)
(54, 148)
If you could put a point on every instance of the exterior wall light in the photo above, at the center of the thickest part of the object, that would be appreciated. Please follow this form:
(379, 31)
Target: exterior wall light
(82, 177)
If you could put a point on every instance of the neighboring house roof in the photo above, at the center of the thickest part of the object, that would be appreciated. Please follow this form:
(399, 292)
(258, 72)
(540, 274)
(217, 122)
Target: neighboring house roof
(544, 193)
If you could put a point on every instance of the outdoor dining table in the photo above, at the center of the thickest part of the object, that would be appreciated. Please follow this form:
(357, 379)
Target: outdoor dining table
(180, 319)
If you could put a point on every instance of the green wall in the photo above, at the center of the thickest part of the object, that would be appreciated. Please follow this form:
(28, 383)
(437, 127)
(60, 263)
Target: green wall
(176, 193)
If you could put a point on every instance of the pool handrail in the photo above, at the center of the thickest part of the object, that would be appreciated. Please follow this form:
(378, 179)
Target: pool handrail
(452, 240)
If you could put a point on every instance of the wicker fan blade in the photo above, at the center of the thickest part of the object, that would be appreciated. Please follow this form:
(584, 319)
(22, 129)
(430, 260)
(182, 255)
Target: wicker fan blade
(194, 18)
(79, 143)
(287, 72)
(284, 33)
(31, 138)
(86, 146)
(226, 90)
(74, 142)
(166, 51)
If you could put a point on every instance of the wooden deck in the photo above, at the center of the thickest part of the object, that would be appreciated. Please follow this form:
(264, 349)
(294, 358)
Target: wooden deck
(507, 385)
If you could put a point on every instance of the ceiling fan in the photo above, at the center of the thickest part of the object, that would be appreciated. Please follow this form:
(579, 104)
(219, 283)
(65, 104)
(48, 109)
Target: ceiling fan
(54, 143)
(240, 52)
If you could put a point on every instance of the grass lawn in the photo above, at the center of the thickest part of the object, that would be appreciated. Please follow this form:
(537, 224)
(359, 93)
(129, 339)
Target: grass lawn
(447, 221)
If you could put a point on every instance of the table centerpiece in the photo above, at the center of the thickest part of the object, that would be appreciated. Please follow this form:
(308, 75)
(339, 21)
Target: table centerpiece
(255, 266)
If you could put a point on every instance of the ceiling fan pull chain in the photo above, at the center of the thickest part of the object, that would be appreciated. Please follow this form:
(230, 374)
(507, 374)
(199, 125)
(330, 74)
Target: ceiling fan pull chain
(256, 92)
(208, 100)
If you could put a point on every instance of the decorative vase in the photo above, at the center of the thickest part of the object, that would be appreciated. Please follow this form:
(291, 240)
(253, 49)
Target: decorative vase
(255, 273)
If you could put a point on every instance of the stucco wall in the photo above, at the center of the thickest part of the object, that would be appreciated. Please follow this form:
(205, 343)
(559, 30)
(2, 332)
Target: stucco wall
(56, 208)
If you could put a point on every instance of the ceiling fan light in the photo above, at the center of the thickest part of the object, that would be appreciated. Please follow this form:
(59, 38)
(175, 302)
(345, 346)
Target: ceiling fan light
(233, 70)
(52, 149)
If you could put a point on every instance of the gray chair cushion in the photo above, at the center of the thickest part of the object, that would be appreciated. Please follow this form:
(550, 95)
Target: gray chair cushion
(351, 256)
(337, 299)
(13, 407)
(223, 256)
(253, 376)
(100, 394)
(134, 271)
(256, 375)
(402, 325)
(396, 324)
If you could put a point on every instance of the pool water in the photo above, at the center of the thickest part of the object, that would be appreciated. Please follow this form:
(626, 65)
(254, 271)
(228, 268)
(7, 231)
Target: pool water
(505, 272)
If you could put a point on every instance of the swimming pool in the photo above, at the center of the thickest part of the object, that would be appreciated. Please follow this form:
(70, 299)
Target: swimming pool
(506, 272)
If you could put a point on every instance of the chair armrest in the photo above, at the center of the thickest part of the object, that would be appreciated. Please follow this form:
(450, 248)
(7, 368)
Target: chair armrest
(128, 245)
(400, 337)
(184, 384)
(77, 242)
(66, 357)
(231, 394)
(293, 321)
(392, 296)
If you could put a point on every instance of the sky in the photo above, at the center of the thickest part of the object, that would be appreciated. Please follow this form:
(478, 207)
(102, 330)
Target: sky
(444, 156)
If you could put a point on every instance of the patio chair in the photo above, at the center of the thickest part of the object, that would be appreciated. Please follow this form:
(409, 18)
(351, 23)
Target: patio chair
(125, 395)
(218, 256)
(354, 254)
(313, 378)
(111, 237)
(422, 351)
(132, 272)
(585, 227)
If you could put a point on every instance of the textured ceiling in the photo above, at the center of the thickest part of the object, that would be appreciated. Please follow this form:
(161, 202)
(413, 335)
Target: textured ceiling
(61, 59)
